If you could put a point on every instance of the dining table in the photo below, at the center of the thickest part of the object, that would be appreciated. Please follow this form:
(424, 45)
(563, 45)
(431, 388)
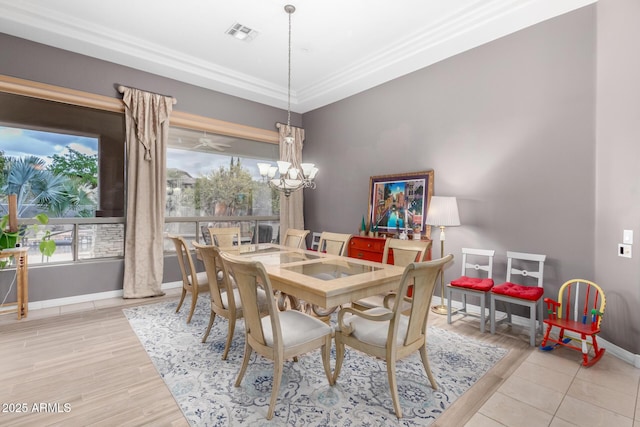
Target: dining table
(318, 278)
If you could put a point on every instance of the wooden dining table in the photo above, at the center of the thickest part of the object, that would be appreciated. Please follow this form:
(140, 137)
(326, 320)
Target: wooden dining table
(321, 279)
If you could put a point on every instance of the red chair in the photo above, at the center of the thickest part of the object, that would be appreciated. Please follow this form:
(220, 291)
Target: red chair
(472, 286)
(520, 294)
(579, 309)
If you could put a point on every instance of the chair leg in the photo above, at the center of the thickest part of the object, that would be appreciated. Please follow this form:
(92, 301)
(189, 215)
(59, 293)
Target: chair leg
(326, 357)
(533, 328)
(482, 312)
(194, 301)
(277, 379)
(184, 293)
(245, 363)
(449, 291)
(232, 328)
(393, 386)
(211, 319)
(427, 368)
(545, 338)
(492, 314)
(339, 358)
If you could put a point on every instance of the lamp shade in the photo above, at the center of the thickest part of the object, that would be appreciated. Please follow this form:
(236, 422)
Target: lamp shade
(443, 211)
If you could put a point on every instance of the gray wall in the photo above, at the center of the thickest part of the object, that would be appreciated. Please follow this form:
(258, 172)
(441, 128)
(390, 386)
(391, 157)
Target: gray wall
(617, 154)
(508, 128)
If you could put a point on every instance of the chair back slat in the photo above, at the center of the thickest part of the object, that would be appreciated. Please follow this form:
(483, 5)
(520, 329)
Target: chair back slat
(334, 243)
(251, 277)
(578, 298)
(294, 238)
(405, 251)
(187, 268)
(213, 265)
(524, 273)
(225, 237)
(475, 254)
(423, 276)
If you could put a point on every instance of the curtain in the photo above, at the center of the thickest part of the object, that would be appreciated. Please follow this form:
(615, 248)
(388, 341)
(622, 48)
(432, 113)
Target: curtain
(147, 130)
(292, 207)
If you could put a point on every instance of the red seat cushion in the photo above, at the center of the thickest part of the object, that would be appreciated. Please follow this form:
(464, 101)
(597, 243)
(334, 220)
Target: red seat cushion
(474, 283)
(531, 293)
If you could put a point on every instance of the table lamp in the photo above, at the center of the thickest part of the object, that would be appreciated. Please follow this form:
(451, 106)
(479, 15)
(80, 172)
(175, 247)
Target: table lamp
(442, 212)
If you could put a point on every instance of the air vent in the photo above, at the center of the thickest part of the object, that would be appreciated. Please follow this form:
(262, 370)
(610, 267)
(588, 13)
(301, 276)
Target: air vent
(241, 32)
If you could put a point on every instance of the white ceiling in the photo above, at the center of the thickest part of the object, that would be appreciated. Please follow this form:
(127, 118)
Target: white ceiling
(340, 47)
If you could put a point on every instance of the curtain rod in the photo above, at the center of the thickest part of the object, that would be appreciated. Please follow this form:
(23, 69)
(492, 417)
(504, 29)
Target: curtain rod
(121, 90)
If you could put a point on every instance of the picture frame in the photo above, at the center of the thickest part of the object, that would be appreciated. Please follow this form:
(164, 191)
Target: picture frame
(399, 202)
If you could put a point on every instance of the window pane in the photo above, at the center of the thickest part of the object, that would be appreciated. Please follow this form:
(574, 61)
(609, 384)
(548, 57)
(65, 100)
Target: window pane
(61, 234)
(100, 241)
(214, 175)
(50, 172)
(187, 230)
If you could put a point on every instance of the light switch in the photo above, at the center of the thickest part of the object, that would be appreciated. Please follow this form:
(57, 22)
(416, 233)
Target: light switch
(627, 237)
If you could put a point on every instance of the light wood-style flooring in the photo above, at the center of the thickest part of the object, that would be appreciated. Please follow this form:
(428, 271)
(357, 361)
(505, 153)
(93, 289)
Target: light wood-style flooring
(86, 356)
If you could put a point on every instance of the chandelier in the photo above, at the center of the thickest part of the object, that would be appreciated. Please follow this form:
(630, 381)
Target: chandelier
(290, 178)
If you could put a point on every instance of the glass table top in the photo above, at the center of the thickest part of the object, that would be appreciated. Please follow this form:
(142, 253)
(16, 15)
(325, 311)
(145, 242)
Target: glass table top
(330, 269)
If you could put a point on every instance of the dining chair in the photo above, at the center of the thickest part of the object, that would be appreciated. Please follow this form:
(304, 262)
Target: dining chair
(477, 260)
(388, 334)
(521, 294)
(295, 238)
(315, 240)
(225, 299)
(279, 335)
(224, 237)
(264, 234)
(191, 279)
(403, 253)
(334, 243)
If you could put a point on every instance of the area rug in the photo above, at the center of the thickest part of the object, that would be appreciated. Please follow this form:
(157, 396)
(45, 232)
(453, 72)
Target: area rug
(203, 384)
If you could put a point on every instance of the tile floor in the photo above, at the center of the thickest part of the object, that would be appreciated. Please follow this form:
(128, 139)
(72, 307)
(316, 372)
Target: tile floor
(558, 392)
(542, 391)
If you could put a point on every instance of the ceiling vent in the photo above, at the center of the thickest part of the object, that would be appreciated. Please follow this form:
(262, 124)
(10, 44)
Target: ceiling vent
(241, 32)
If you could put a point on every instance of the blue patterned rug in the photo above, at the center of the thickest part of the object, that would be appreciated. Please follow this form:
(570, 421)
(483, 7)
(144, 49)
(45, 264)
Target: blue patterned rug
(202, 383)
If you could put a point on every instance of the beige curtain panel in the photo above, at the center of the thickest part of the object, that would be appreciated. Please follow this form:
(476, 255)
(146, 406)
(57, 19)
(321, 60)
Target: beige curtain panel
(147, 129)
(292, 207)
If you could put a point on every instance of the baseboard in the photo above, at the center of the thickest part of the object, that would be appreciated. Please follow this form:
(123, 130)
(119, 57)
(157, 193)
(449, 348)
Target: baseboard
(620, 353)
(58, 302)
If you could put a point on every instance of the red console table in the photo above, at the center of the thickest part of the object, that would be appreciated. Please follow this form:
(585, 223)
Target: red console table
(371, 249)
(368, 248)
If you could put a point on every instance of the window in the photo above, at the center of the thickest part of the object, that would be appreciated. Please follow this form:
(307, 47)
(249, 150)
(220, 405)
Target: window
(216, 179)
(51, 172)
(38, 114)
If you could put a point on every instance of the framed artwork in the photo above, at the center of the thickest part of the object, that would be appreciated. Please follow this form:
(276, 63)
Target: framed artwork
(399, 202)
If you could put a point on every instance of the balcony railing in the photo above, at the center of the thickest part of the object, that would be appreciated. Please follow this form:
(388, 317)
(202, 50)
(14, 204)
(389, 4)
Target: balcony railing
(89, 239)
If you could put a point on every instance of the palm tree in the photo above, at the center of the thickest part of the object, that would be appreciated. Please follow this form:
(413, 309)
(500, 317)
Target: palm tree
(28, 178)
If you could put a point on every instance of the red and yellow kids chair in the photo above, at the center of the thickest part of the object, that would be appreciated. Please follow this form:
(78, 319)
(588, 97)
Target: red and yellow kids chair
(579, 310)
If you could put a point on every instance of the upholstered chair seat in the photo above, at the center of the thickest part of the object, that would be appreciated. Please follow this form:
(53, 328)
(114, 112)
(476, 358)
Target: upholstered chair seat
(297, 328)
(475, 283)
(519, 291)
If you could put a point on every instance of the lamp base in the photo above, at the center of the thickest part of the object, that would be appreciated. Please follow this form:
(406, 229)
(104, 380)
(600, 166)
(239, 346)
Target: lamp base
(439, 309)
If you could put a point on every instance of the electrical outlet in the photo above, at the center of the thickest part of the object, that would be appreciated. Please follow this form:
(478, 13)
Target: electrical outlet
(624, 250)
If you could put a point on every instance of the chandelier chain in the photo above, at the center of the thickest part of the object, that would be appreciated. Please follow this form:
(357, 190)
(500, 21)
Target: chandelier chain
(290, 12)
